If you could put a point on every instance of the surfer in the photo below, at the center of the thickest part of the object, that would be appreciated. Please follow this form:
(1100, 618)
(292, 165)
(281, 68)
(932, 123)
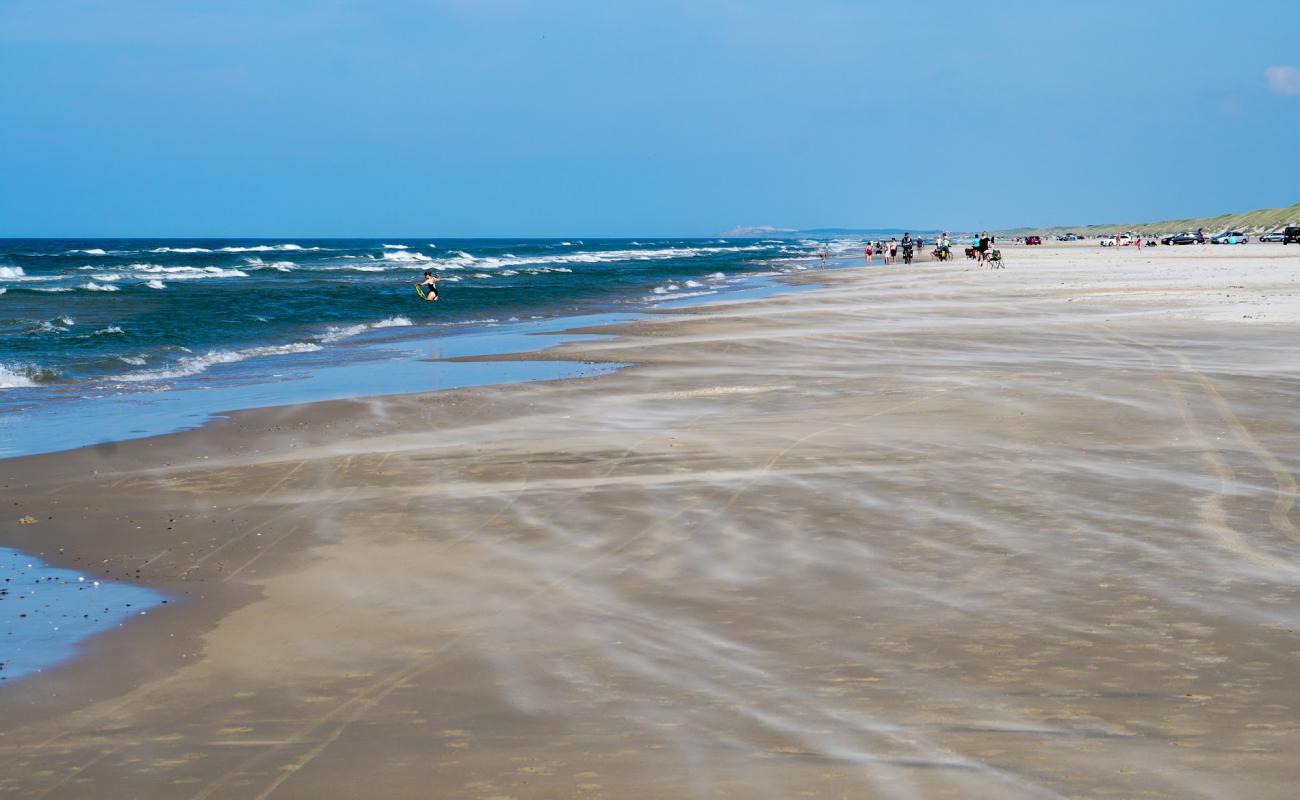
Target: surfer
(431, 280)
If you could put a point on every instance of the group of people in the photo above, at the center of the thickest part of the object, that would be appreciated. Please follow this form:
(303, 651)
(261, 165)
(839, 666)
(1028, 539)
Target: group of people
(981, 247)
(888, 251)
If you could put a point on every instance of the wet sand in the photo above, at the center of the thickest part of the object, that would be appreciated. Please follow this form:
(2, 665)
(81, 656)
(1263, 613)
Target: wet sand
(926, 532)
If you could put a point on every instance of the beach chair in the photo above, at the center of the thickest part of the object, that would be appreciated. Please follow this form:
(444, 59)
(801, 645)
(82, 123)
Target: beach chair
(995, 260)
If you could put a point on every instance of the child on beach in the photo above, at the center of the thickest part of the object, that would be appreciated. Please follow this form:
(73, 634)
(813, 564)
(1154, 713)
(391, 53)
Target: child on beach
(431, 280)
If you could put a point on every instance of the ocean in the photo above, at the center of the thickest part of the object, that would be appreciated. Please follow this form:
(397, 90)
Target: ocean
(93, 330)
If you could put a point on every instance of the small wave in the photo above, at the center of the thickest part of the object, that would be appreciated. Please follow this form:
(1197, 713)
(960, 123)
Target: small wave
(135, 361)
(142, 271)
(111, 329)
(20, 376)
(193, 365)
(335, 333)
(3, 290)
(481, 275)
(672, 287)
(12, 272)
(282, 266)
(94, 251)
(155, 284)
(406, 256)
(54, 289)
(509, 272)
(99, 287)
(61, 325)
(268, 248)
(683, 295)
(282, 349)
(693, 284)
(180, 250)
(396, 247)
(13, 380)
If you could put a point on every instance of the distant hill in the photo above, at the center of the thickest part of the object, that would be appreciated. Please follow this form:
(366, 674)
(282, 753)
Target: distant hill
(1267, 219)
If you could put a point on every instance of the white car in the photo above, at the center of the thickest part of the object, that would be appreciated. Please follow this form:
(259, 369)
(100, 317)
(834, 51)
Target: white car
(1272, 236)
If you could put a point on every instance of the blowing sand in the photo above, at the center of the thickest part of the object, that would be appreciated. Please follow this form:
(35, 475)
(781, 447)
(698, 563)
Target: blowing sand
(923, 532)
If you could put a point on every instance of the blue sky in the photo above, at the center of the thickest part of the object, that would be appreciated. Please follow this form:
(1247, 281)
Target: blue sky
(637, 117)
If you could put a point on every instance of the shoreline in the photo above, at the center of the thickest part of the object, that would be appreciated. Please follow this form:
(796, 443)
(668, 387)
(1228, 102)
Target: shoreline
(380, 361)
(787, 507)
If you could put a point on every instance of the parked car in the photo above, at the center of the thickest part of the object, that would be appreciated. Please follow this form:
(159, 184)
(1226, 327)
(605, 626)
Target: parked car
(1272, 236)
(1187, 237)
(1107, 241)
(1230, 237)
(1291, 234)
(1033, 240)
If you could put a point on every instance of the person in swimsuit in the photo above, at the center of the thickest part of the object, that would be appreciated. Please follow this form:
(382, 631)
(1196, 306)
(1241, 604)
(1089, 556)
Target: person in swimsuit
(868, 250)
(431, 280)
(893, 250)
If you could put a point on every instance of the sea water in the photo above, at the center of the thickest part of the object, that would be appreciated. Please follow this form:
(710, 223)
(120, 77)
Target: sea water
(93, 331)
(46, 612)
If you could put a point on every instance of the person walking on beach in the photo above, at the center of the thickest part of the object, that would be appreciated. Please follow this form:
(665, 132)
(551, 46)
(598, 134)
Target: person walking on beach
(823, 254)
(431, 280)
(982, 248)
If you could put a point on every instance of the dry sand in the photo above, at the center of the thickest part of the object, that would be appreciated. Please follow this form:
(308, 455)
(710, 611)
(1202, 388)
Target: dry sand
(923, 532)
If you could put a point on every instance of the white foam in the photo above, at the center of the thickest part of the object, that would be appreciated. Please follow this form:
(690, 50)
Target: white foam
(684, 295)
(94, 251)
(99, 287)
(13, 380)
(266, 248)
(155, 284)
(180, 250)
(192, 365)
(55, 289)
(693, 284)
(142, 271)
(12, 272)
(3, 290)
(396, 247)
(335, 333)
(111, 329)
(135, 361)
(461, 259)
(406, 256)
(283, 349)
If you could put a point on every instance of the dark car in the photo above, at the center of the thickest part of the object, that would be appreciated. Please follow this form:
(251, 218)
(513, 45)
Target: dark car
(1033, 240)
(1291, 234)
(1188, 237)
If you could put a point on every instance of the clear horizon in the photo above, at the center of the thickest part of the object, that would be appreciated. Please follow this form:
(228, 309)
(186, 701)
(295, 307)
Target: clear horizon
(234, 120)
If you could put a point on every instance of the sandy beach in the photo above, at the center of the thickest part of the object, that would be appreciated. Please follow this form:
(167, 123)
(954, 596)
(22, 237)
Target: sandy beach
(914, 532)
